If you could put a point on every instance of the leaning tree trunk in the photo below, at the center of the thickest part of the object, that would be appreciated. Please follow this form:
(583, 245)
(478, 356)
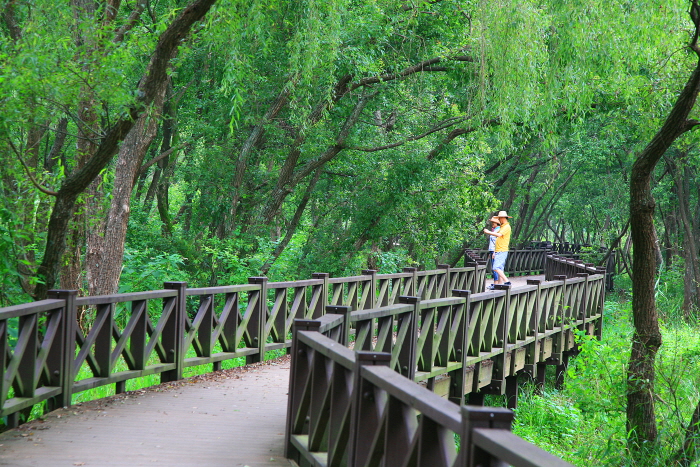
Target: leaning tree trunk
(76, 183)
(131, 155)
(641, 421)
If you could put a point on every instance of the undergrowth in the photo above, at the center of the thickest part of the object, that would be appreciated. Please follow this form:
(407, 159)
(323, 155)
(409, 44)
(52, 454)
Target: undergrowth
(584, 423)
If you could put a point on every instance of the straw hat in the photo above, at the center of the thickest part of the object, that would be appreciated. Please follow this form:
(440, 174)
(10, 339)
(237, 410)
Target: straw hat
(496, 220)
(504, 214)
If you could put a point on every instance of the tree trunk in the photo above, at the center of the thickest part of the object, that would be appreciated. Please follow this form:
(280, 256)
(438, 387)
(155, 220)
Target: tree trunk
(691, 294)
(293, 225)
(163, 200)
(152, 187)
(641, 419)
(525, 211)
(72, 271)
(96, 213)
(689, 451)
(165, 167)
(132, 151)
(76, 183)
(250, 143)
(670, 234)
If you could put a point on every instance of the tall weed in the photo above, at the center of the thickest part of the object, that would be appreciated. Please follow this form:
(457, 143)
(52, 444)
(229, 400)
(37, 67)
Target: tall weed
(585, 423)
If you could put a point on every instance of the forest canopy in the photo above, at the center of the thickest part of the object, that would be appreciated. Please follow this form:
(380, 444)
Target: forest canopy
(216, 140)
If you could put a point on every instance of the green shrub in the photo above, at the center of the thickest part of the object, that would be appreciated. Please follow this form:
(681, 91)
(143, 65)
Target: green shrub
(148, 269)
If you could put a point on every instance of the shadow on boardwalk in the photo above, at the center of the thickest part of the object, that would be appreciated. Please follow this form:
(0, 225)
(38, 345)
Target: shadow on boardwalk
(229, 418)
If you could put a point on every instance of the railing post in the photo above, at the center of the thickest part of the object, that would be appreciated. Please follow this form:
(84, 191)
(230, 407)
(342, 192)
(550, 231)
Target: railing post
(446, 286)
(320, 309)
(360, 442)
(413, 285)
(583, 306)
(459, 376)
(610, 271)
(344, 337)
(256, 325)
(500, 371)
(533, 349)
(298, 372)
(601, 304)
(174, 333)
(63, 362)
(481, 417)
(541, 259)
(480, 276)
(407, 356)
(372, 302)
(558, 350)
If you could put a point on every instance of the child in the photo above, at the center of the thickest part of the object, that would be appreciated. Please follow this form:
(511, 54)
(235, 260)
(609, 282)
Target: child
(495, 227)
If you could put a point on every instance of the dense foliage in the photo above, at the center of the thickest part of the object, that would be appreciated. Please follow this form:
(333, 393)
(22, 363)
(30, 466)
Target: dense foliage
(213, 140)
(332, 135)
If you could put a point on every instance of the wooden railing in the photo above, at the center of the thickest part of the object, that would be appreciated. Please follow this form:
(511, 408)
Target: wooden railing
(558, 248)
(518, 263)
(364, 408)
(450, 336)
(531, 261)
(557, 265)
(350, 408)
(49, 358)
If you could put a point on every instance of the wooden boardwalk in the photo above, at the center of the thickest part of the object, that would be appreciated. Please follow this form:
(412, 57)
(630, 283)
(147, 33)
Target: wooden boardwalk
(223, 419)
(517, 281)
(230, 418)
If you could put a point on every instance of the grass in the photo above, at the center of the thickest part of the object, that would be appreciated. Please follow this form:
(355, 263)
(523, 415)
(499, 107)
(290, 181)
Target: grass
(585, 422)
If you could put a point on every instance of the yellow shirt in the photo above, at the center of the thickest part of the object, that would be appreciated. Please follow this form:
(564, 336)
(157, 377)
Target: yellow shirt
(503, 241)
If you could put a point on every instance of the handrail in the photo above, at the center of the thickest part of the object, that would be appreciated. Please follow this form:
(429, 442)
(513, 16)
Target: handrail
(513, 449)
(165, 331)
(351, 408)
(534, 260)
(569, 267)
(479, 341)
(519, 262)
(446, 325)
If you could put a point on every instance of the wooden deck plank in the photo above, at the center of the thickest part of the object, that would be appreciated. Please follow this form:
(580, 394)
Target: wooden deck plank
(235, 421)
(517, 281)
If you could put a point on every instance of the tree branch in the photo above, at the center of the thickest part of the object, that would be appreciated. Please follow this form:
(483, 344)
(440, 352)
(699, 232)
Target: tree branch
(455, 133)
(614, 244)
(130, 22)
(160, 156)
(290, 178)
(441, 126)
(29, 173)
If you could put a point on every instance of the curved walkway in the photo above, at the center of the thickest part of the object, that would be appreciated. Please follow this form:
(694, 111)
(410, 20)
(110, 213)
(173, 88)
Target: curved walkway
(230, 418)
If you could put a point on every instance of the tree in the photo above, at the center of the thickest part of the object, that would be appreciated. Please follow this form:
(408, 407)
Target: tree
(641, 417)
(96, 149)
